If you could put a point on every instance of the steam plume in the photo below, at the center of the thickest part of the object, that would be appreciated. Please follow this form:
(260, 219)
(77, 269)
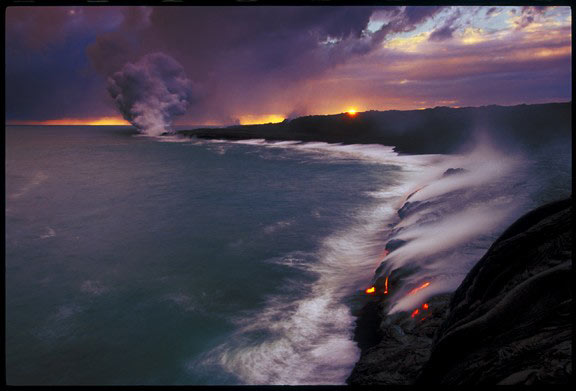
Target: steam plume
(150, 92)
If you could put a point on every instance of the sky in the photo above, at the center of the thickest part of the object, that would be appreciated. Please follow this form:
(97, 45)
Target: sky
(256, 64)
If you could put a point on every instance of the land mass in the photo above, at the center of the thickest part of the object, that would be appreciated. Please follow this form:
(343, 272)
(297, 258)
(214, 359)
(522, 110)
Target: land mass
(435, 130)
(508, 323)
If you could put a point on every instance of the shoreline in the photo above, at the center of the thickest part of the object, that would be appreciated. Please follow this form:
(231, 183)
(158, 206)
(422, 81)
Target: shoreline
(440, 130)
(448, 347)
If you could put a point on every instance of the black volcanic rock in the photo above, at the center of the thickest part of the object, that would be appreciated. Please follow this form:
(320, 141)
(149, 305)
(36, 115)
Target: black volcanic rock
(437, 130)
(402, 346)
(454, 171)
(394, 244)
(510, 320)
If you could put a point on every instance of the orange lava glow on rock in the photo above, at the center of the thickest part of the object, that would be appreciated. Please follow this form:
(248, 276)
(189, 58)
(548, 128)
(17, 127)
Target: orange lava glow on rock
(370, 290)
(425, 306)
(419, 288)
(414, 313)
(386, 286)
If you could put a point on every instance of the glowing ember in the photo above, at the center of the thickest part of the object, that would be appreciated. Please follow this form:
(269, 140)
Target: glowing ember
(425, 306)
(419, 288)
(386, 286)
(370, 290)
(415, 312)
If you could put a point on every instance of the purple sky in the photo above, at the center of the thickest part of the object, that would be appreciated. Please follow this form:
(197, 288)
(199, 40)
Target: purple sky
(258, 64)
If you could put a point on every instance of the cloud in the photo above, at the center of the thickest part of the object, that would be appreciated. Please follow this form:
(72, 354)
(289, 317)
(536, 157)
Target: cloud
(151, 92)
(282, 61)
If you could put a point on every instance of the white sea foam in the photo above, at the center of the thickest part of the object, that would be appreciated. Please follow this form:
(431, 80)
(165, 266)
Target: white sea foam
(308, 340)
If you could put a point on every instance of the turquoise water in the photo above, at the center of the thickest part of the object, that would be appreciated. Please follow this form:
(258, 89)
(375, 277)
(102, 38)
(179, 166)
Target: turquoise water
(128, 258)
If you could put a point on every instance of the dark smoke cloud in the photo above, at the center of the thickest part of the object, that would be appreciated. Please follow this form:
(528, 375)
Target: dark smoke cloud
(112, 49)
(252, 61)
(150, 92)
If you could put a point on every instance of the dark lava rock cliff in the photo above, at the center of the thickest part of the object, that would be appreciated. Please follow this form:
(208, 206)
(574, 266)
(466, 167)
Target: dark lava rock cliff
(436, 130)
(509, 322)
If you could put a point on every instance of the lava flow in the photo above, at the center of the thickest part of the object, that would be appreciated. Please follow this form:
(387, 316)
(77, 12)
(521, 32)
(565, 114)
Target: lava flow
(419, 288)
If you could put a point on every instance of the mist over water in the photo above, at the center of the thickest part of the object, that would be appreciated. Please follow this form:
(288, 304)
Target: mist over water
(217, 262)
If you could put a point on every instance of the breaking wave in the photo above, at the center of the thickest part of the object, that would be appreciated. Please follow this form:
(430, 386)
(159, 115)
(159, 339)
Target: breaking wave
(435, 222)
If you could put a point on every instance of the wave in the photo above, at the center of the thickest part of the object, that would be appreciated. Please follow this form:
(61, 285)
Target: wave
(430, 228)
(305, 337)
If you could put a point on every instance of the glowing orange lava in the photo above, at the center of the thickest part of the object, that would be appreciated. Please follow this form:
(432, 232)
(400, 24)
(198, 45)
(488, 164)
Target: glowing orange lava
(386, 286)
(370, 290)
(419, 288)
(415, 312)
(425, 306)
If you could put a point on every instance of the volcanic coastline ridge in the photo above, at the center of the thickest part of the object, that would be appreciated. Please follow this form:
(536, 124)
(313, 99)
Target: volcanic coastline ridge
(508, 323)
(506, 318)
(428, 131)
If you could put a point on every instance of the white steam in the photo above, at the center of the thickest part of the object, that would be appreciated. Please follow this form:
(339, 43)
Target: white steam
(150, 92)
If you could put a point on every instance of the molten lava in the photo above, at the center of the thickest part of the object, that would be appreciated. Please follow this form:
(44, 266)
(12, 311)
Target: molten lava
(419, 288)
(425, 306)
(386, 286)
(414, 313)
(370, 290)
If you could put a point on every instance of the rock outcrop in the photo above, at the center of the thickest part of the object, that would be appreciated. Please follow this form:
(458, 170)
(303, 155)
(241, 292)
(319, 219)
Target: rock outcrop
(509, 322)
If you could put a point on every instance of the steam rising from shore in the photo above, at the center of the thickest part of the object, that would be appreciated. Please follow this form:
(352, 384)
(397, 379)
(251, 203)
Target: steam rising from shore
(151, 92)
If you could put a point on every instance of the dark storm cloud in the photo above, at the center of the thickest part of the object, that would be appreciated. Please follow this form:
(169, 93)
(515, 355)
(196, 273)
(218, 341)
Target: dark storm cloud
(247, 54)
(243, 55)
(268, 60)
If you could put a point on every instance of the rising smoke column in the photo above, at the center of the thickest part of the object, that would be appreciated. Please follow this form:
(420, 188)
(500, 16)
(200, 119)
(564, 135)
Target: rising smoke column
(150, 92)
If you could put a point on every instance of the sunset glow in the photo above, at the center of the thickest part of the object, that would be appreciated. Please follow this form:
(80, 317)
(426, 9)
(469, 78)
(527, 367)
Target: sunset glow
(260, 119)
(401, 57)
(76, 121)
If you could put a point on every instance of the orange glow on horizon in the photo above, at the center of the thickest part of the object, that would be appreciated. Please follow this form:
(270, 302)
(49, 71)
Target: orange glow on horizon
(352, 112)
(75, 121)
(260, 119)
(419, 288)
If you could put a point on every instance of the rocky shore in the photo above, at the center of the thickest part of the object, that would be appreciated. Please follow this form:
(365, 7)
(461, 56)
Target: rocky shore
(435, 130)
(509, 322)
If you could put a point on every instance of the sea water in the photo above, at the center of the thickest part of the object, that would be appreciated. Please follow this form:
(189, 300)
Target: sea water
(138, 260)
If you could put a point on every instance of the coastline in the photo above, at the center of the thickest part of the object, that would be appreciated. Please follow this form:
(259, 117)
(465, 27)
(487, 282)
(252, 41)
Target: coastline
(512, 309)
(439, 130)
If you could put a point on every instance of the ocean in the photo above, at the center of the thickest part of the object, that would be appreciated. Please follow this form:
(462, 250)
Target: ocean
(136, 260)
